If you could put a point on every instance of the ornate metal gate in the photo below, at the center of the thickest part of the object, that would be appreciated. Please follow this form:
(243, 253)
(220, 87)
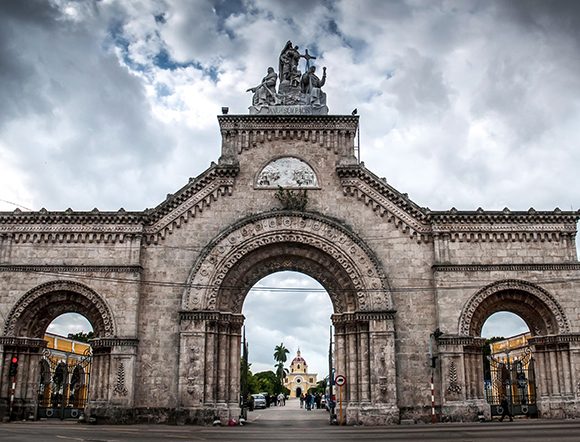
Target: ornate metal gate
(63, 389)
(513, 379)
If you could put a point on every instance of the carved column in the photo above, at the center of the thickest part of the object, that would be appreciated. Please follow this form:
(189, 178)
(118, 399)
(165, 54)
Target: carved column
(192, 359)
(209, 365)
(235, 339)
(557, 380)
(112, 377)
(365, 355)
(460, 358)
(363, 358)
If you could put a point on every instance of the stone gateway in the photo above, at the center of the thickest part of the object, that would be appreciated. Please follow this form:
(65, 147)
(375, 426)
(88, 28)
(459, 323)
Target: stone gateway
(410, 287)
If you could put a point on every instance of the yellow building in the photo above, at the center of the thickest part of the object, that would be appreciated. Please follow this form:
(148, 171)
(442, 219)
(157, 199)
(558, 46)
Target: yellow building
(64, 377)
(298, 381)
(514, 348)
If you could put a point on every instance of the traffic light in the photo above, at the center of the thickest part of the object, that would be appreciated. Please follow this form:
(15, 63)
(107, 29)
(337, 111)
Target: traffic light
(13, 366)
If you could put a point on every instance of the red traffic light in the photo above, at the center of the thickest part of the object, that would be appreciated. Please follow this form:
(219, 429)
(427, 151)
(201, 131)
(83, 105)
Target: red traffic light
(15, 359)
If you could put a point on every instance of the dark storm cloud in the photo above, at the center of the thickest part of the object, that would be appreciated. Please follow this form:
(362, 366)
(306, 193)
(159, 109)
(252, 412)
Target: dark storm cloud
(17, 72)
(89, 115)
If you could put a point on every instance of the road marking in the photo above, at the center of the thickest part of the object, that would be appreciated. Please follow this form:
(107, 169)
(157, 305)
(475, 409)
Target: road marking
(58, 436)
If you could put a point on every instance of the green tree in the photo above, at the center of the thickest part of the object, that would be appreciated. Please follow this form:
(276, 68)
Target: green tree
(280, 356)
(280, 353)
(81, 336)
(267, 382)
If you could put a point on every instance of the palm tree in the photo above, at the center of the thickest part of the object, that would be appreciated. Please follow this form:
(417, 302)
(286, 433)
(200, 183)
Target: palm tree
(280, 357)
(281, 372)
(280, 353)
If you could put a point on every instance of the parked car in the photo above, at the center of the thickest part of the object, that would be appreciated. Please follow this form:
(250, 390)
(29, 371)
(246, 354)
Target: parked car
(259, 401)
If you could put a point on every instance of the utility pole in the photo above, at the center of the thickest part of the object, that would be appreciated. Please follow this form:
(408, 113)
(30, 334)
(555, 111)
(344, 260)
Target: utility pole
(330, 378)
(244, 377)
(433, 362)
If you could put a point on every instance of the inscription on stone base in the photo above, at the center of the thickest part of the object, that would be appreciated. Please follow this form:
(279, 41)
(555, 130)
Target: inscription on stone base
(288, 110)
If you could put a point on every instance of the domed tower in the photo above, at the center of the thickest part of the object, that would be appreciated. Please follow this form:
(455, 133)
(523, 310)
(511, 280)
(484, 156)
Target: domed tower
(298, 381)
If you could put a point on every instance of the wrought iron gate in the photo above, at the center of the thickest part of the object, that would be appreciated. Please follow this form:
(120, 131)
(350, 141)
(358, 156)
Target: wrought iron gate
(63, 389)
(513, 379)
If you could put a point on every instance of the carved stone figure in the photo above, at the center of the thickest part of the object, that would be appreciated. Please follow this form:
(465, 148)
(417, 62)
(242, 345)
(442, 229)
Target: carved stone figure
(297, 93)
(265, 92)
(311, 86)
(289, 58)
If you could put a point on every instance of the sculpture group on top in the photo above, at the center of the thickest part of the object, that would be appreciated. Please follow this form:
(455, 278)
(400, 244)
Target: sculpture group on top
(298, 92)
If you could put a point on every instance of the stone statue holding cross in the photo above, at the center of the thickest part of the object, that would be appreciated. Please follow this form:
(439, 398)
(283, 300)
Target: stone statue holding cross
(298, 92)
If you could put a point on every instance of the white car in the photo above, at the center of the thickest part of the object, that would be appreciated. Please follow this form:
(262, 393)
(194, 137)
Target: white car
(259, 401)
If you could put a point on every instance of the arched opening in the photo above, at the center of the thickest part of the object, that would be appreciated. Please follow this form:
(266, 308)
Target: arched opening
(503, 324)
(49, 327)
(515, 316)
(509, 366)
(287, 328)
(65, 367)
(236, 259)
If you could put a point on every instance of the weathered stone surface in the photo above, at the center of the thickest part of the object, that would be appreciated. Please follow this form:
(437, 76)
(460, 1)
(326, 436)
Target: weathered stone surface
(157, 284)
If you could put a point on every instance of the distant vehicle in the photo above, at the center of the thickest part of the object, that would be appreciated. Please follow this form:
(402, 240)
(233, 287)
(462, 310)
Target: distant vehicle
(259, 401)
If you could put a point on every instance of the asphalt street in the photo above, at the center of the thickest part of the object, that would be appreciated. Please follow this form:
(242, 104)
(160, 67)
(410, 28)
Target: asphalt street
(290, 423)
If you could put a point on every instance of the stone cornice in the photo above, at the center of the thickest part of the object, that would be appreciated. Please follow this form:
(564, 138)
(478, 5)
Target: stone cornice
(385, 200)
(72, 218)
(114, 342)
(53, 231)
(479, 225)
(449, 340)
(14, 341)
(505, 267)
(289, 122)
(334, 133)
(187, 202)
(343, 318)
(212, 316)
(71, 268)
(554, 339)
(455, 217)
(111, 227)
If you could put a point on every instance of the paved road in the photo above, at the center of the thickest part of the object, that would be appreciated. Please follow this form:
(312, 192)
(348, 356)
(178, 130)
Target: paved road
(291, 415)
(291, 424)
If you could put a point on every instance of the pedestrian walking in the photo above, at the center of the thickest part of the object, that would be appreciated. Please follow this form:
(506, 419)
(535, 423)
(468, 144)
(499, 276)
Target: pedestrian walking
(505, 405)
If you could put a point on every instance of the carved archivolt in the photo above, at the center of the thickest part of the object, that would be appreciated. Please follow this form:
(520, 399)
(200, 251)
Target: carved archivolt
(538, 308)
(263, 244)
(37, 308)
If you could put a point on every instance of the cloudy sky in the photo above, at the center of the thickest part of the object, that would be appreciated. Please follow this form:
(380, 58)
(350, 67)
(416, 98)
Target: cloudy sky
(463, 103)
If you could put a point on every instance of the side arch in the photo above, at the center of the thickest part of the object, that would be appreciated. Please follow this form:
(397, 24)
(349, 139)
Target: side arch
(535, 305)
(38, 307)
(286, 240)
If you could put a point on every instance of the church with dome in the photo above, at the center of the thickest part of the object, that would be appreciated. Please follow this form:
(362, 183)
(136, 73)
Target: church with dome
(299, 380)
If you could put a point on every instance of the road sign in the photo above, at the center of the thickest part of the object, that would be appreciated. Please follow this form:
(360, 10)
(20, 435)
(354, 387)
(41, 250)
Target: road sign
(340, 380)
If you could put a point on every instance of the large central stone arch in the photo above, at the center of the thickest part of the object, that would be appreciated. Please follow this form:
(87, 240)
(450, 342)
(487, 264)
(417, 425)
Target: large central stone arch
(285, 240)
(359, 282)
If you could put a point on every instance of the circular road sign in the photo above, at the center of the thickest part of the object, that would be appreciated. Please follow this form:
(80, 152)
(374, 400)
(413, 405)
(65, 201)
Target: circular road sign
(340, 380)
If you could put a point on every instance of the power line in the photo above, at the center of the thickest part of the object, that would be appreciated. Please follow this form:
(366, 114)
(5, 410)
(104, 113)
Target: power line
(16, 205)
(474, 285)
